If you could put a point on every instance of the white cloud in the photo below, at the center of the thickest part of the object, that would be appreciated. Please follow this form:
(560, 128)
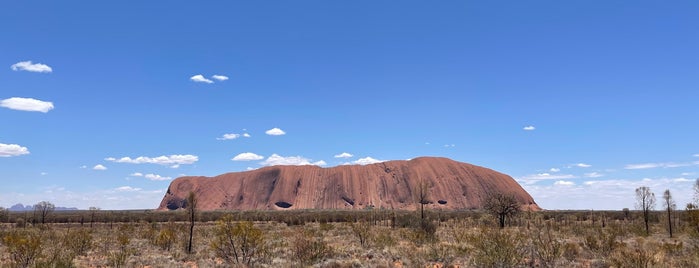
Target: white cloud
(687, 173)
(367, 160)
(31, 67)
(449, 145)
(582, 165)
(275, 132)
(247, 157)
(593, 175)
(171, 160)
(200, 79)
(246, 135)
(229, 136)
(529, 128)
(44, 173)
(606, 194)
(564, 183)
(344, 155)
(555, 169)
(9, 150)
(155, 177)
(275, 160)
(220, 77)
(99, 167)
(127, 189)
(27, 104)
(696, 155)
(136, 174)
(534, 178)
(660, 165)
(83, 166)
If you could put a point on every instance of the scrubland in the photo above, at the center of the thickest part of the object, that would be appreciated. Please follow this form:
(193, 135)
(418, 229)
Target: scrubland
(367, 238)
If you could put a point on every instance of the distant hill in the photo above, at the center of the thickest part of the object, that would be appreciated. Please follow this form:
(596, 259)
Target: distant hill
(21, 207)
(451, 185)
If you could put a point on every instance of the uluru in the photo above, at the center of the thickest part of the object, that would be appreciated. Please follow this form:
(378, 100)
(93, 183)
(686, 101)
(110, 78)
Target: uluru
(450, 185)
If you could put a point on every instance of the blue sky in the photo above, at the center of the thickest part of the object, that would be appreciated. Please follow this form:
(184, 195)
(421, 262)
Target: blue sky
(103, 103)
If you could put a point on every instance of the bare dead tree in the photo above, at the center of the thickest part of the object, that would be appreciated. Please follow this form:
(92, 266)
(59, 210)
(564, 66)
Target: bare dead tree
(645, 201)
(422, 197)
(669, 206)
(43, 209)
(502, 206)
(191, 210)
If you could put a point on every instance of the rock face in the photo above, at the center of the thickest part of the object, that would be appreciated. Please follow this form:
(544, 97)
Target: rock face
(450, 185)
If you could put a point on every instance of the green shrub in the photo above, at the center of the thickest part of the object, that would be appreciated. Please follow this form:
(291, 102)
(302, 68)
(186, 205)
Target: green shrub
(497, 248)
(308, 249)
(24, 247)
(238, 242)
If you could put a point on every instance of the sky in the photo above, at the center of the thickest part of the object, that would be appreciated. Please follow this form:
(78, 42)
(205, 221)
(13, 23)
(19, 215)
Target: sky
(104, 103)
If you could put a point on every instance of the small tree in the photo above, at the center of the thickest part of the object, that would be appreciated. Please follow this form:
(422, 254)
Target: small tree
(422, 197)
(669, 206)
(502, 206)
(43, 209)
(238, 242)
(645, 201)
(4, 214)
(191, 210)
(93, 211)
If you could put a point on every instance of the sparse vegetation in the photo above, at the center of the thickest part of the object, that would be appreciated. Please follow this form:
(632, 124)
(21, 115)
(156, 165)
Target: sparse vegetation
(350, 239)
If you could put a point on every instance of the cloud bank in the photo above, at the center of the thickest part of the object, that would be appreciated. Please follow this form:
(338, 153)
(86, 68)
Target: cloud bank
(173, 160)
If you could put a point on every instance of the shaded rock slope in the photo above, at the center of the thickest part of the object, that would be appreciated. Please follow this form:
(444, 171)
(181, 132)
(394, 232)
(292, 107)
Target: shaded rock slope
(450, 185)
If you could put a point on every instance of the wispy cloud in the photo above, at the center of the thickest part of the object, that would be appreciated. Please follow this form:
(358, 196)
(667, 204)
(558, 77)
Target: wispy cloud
(247, 157)
(275, 132)
(564, 183)
(171, 160)
(275, 160)
(9, 150)
(593, 175)
(449, 145)
(200, 79)
(155, 177)
(605, 194)
(529, 128)
(660, 165)
(27, 104)
(534, 178)
(582, 165)
(367, 160)
(31, 67)
(554, 169)
(246, 135)
(220, 77)
(127, 189)
(99, 167)
(229, 136)
(136, 174)
(344, 155)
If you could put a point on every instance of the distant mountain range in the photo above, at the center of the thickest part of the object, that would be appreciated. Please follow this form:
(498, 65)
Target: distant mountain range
(21, 207)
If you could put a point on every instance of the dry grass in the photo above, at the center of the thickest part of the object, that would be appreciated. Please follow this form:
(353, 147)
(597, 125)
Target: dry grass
(537, 240)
